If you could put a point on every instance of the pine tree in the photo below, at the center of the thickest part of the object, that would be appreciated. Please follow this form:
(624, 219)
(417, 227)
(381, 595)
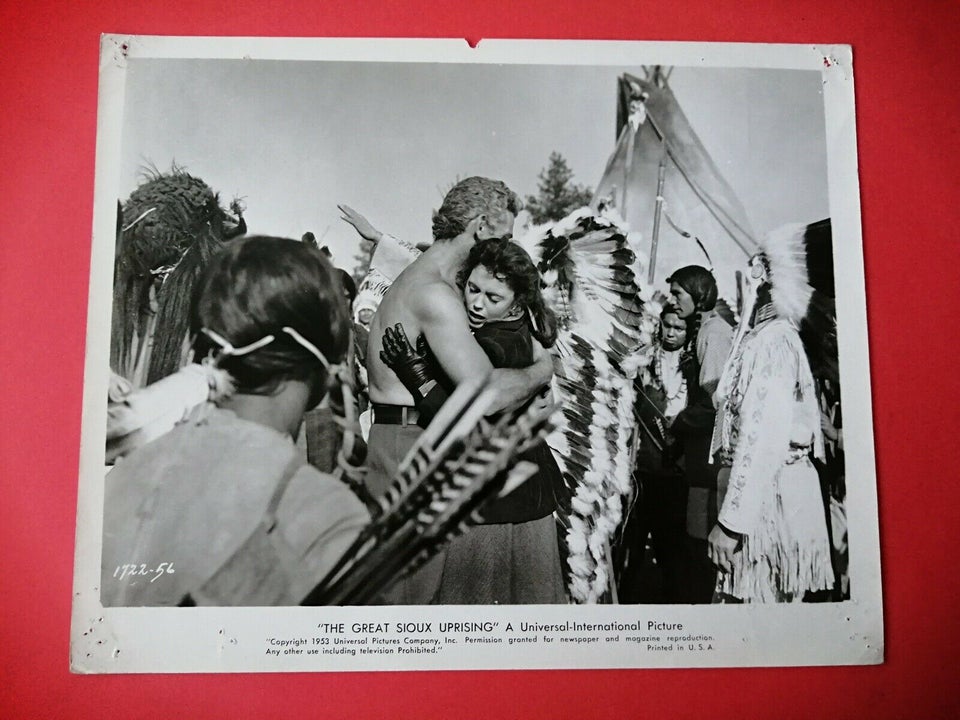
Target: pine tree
(557, 195)
(362, 260)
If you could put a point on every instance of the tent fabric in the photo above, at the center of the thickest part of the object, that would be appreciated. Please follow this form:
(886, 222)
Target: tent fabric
(698, 203)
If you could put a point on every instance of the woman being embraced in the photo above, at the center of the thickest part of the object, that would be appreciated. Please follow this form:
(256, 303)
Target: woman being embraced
(223, 509)
(513, 557)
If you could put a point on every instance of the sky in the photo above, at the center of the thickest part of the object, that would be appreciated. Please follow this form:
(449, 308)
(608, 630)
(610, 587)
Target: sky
(294, 139)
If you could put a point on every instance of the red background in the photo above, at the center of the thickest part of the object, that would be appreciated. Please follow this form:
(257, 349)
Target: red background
(906, 66)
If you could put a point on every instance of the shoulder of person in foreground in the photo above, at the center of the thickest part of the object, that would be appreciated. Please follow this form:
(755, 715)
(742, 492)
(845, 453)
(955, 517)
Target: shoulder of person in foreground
(716, 330)
(319, 517)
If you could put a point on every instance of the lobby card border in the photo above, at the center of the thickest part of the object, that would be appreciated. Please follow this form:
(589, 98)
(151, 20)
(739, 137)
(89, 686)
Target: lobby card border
(236, 639)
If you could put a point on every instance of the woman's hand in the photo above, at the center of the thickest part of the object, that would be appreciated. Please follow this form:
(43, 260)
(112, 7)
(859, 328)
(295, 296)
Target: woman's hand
(360, 223)
(412, 366)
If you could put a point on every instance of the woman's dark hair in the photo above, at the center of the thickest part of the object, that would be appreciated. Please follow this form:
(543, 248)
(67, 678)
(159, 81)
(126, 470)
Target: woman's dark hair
(257, 286)
(510, 263)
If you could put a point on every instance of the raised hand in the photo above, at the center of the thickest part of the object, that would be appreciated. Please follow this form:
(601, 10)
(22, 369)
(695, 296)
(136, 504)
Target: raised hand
(360, 223)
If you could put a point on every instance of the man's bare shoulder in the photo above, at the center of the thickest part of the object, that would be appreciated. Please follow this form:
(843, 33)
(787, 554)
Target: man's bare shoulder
(423, 293)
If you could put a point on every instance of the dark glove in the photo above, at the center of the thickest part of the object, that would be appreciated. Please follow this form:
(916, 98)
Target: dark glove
(413, 367)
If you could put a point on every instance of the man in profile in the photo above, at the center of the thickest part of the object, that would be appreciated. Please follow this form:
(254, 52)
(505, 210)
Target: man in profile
(425, 299)
(694, 295)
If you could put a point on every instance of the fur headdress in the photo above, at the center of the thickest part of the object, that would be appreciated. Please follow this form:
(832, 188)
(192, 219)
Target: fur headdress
(167, 231)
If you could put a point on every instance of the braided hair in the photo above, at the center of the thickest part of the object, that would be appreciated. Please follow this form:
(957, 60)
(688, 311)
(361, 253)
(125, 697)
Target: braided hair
(510, 263)
(699, 283)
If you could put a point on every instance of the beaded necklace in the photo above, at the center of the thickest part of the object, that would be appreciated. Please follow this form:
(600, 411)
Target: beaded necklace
(675, 392)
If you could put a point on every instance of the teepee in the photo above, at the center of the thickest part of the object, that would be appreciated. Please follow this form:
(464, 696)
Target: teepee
(668, 189)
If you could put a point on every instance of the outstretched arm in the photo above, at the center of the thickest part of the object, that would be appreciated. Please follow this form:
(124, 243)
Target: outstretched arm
(359, 223)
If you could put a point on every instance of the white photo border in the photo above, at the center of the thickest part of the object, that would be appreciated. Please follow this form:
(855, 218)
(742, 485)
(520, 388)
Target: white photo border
(130, 640)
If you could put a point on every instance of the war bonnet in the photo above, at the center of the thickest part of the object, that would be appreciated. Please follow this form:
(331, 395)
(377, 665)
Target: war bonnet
(799, 262)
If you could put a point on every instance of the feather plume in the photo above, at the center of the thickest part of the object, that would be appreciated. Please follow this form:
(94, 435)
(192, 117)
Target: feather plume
(142, 415)
(605, 332)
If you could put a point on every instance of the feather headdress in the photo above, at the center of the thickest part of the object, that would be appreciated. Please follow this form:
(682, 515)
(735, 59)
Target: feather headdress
(593, 274)
(799, 264)
(785, 251)
(800, 259)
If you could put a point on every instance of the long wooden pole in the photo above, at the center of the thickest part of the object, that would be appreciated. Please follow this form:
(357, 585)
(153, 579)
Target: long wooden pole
(661, 174)
(627, 166)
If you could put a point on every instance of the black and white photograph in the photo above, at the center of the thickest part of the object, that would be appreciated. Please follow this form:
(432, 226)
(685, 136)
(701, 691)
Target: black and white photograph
(411, 355)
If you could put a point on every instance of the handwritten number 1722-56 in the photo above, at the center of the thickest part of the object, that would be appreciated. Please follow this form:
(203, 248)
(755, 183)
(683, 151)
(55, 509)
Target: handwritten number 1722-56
(132, 569)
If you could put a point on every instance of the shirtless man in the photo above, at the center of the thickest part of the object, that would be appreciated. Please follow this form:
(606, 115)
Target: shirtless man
(425, 299)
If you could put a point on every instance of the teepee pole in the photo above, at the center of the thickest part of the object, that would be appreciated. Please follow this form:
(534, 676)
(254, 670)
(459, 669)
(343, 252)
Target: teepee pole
(627, 165)
(655, 238)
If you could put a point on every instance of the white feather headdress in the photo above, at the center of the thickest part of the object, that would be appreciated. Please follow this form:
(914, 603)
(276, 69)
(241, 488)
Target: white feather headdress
(785, 250)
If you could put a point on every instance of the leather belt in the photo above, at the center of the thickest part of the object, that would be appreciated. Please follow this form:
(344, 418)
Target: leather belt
(402, 415)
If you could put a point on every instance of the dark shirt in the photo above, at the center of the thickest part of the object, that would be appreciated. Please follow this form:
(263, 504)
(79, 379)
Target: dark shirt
(508, 344)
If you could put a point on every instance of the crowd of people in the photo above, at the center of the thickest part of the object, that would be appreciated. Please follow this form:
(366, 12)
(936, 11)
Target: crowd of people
(252, 498)
(737, 499)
